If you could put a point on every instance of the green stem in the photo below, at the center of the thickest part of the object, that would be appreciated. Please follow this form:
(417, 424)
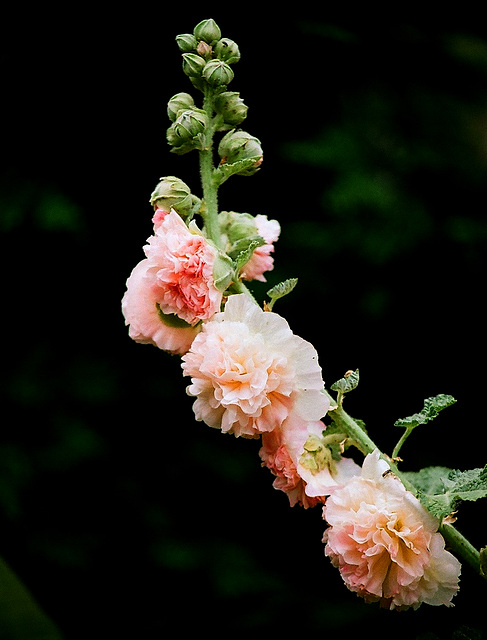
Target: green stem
(455, 540)
(210, 188)
(461, 546)
(401, 441)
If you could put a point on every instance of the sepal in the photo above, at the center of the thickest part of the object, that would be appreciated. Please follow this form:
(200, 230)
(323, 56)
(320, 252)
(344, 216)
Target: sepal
(223, 271)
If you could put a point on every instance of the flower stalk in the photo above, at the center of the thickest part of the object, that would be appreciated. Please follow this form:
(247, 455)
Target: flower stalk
(209, 186)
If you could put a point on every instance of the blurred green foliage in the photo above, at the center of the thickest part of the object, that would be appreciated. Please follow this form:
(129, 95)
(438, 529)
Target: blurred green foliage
(120, 513)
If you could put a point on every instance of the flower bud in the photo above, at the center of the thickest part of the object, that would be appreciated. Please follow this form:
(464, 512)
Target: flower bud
(193, 65)
(186, 42)
(173, 193)
(179, 102)
(231, 107)
(217, 73)
(204, 50)
(227, 50)
(208, 31)
(240, 148)
(237, 226)
(186, 131)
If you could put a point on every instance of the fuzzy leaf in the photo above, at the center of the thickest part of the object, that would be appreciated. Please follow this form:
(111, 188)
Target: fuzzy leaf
(283, 288)
(442, 490)
(432, 407)
(242, 250)
(280, 290)
(348, 383)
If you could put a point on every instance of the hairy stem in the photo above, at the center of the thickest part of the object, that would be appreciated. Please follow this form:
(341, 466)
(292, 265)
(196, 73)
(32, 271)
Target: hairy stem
(210, 187)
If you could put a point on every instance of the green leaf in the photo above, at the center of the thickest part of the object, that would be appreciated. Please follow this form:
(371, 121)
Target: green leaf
(442, 490)
(242, 250)
(348, 383)
(432, 407)
(172, 320)
(280, 290)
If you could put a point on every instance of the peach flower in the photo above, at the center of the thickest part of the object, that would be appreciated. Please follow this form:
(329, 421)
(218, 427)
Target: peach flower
(140, 306)
(249, 372)
(182, 262)
(296, 455)
(386, 544)
(261, 259)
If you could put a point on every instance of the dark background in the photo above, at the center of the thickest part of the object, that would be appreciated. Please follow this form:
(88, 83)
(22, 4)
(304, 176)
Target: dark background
(122, 515)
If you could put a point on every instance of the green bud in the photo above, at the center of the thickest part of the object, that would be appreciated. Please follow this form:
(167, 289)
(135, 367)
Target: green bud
(173, 193)
(179, 102)
(231, 107)
(186, 42)
(217, 73)
(186, 131)
(227, 50)
(241, 149)
(236, 226)
(208, 31)
(193, 65)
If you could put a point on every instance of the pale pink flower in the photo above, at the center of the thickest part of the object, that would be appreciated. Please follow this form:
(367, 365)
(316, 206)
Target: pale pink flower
(183, 262)
(296, 454)
(158, 217)
(261, 260)
(140, 306)
(386, 544)
(250, 372)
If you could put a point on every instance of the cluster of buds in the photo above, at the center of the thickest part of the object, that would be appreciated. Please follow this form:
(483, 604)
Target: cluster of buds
(207, 60)
(207, 56)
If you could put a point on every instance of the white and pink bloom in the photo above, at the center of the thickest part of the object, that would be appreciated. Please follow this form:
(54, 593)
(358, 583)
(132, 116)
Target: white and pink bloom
(172, 289)
(147, 325)
(261, 259)
(298, 456)
(385, 544)
(249, 372)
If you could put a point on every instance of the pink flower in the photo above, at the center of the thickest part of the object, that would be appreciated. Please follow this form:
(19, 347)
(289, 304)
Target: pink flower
(249, 372)
(140, 306)
(261, 259)
(386, 544)
(297, 455)
(158, 217)
(182, 263)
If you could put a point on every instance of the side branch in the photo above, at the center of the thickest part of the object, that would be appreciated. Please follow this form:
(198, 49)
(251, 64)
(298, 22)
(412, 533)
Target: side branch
(458, 544)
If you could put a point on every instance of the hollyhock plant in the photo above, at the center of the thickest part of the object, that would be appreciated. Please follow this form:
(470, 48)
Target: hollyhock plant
(249, 372)
(389, 532)
(385, 543)
(299, 458)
